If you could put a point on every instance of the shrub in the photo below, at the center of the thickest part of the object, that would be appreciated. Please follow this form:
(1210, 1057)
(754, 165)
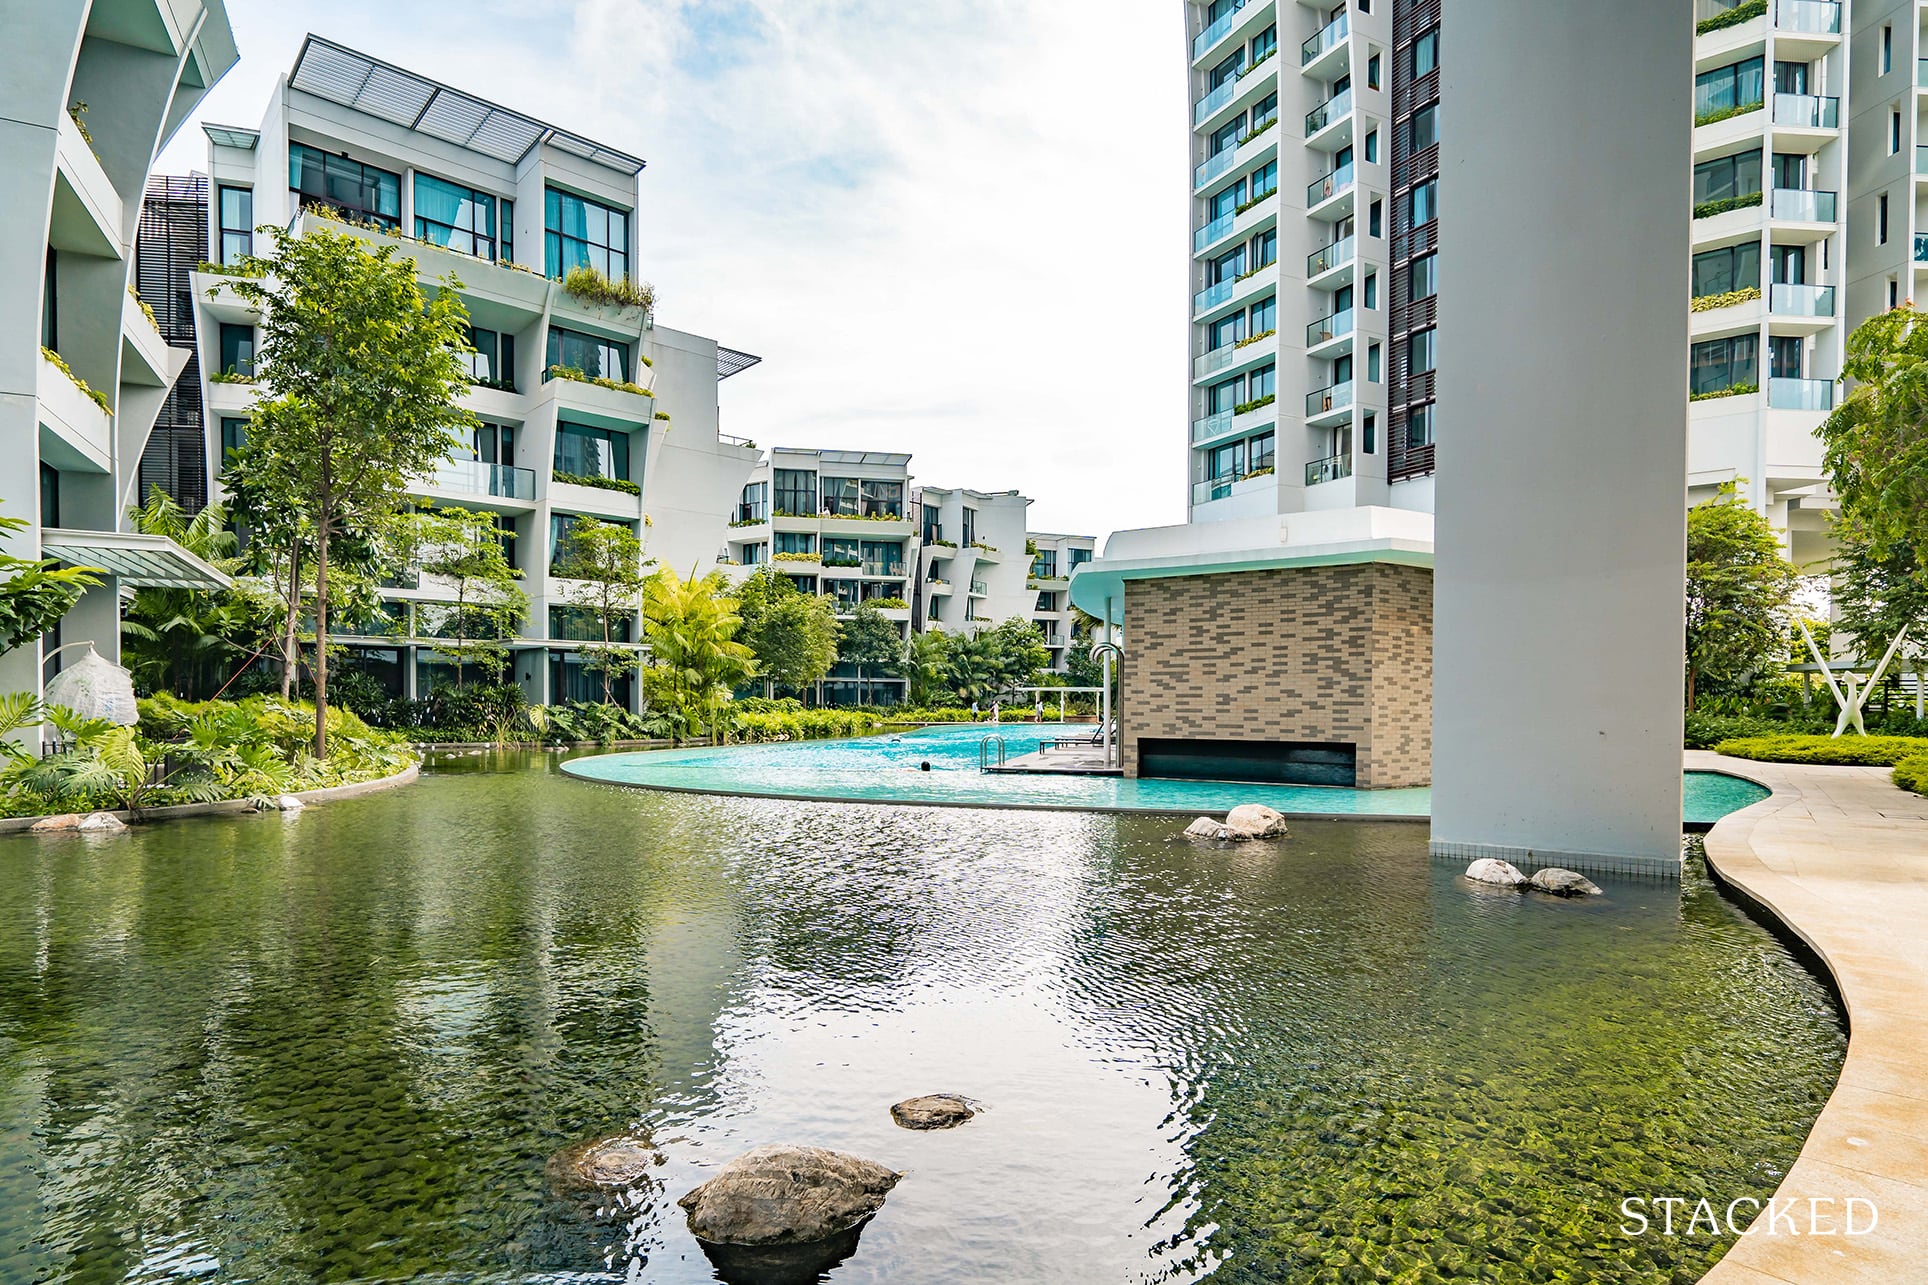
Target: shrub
(146, 309)
(1705, 731)
(1246, 408)
(600, 483)
(1260, 337)
(1726, 113)
(93, 394)
(800, 725)
(1845, 751)
(591, 286)
(1912, 774)
(888, 604)
(576, 376)
(797, 557)
(1708, 209)
(1711, 302)
(1733, 390)
(585, 721)
(1733, 17)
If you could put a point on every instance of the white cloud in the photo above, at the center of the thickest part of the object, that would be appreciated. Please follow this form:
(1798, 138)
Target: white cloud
(951, 227)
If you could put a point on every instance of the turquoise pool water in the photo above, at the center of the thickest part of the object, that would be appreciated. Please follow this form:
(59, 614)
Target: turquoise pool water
(887, 769)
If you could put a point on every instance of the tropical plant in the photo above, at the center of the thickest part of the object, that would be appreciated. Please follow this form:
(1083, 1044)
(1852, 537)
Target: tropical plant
(187, 641)
(869, 640)
(697, 661)
(36, 592)
(792, 634)
(927, 664)
(1739, 593)
(465, 548)
(360, 379)
(602, 566)
(18, 711)
(591, 285)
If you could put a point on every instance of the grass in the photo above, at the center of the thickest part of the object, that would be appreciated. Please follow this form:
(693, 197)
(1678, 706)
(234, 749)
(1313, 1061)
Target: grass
(1845, 751)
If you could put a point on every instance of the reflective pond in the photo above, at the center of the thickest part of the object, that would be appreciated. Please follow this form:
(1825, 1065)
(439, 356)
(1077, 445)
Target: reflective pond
(343, 1045)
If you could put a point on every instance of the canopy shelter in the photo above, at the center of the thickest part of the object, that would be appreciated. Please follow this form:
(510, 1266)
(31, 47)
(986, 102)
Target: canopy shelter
(137, 561)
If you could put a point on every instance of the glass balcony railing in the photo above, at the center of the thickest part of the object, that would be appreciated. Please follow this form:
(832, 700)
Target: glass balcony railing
(1807, 111)
(1220, 358)
(1331, 257)
(1330, 186)
(1214, 167)
(1212, 488)
(1340, 104)
(1212, 296)
(1809, 17)
(1921, 160)
(1331, 469)
(1803, 207)
(1204, 430)
(980, 589)
(1800, 394)
(1801, 301)
(1327, 329)
(1921, 72)
(473, 477)
(1205, 39)
(1214, 101)
(1921, 248)
(1326, 400)
(1334, 32)
(1212, 233)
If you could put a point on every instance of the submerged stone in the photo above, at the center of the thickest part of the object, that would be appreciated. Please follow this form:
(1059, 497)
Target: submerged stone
(933, 1111)
(787, 1195)
(1256, 821)
(1564, 883)
(1501, 874)
(620, 1160)
(289, 803)
(101, 823)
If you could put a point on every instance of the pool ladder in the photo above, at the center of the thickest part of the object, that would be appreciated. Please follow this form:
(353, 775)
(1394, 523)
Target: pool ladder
(984, 748)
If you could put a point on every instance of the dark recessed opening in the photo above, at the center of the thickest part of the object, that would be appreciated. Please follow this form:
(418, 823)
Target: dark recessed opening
(1263, 762)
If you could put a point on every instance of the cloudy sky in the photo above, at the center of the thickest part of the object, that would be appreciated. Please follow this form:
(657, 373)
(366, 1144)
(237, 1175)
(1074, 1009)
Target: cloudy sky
(951, 227)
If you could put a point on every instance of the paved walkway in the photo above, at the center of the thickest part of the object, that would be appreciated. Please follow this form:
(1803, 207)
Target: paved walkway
(1841, 856)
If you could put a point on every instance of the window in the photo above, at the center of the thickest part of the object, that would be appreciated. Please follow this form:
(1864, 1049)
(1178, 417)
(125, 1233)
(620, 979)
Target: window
(1887, 49)
(579, 231)
(1265, 181)
(1894, 294)
(1424, 203)
(576, 624)
(1419, 427)
(1881, 219)
(1372, 290)
(1790, 171)
(754, 504)
(970, 527)
(50, 494)
(492, 364)
(237, 223)
(1727, 177)
(1265, 315)
(1790, 77)
(1229, 68)
(1372, 147)
(1227, 462)
(1732, 88)
(459, 218)
(1421, 352)
(1736, 267)
(1425, 127)
(1370, 436)
(1423, 279)
(1894, 131)
(562, 526)
(1720, 364)
(1784, 356)
(1227, 135)
(1045, 565)
(1372, 364)
(348, 188)
(593, 355)
(1425, 52)
(1376, 221)
(49, 304)
(1267, 249)
(796, 542)
(1264, 112)
(1372, 72)
(755, 555)
(1227, 201)
(1261, 451)
(1266, 42)
(1223, 397)
(882, 499)
(1265, 383)
(237, 350)
(1228, 267)
(883, 557)
(1080, 556)
(1365, 6)
(1790, 264)
(1227, 332)
(592, 452)
(234, 436)
(796, 493)
(494, 443)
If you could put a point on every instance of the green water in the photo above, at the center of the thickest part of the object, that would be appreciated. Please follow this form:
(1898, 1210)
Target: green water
(340, 1046)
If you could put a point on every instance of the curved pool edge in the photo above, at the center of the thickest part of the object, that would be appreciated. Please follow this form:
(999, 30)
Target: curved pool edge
(1837, 857)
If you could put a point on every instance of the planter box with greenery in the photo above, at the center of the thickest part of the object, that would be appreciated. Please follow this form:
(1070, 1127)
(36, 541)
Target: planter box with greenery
(1708, 209)
(1246, 408)
(591, 286)
(1726, 113)
(92, 394)
(1733, 390)
(797, 557)
(575, 376)
(1733, 17)
(888, 604)
(1732, 298)
(600, 483)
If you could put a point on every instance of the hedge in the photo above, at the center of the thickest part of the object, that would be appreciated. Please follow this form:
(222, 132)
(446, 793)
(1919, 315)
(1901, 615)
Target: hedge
(1846, 751)
(1912, 774)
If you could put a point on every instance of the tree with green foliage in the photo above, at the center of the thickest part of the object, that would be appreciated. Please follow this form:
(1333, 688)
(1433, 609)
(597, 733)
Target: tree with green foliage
(186, 641)
(359, 377)
(464, 548)
(1022, 653)
(1739, 593)
(1877, 438)
(1877, 594)
(36, 592)
(870, 640)
(975, 671)
(927, 666)
(792, 634)
(602, 567)
(696, 660)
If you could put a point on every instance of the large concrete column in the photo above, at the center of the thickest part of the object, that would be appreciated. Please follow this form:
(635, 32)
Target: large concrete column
(1564, 186)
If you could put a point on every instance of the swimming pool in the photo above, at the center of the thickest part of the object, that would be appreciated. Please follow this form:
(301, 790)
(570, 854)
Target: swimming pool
(888, 769)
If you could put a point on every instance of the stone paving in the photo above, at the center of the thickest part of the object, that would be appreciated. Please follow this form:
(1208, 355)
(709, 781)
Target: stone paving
(1841, 857)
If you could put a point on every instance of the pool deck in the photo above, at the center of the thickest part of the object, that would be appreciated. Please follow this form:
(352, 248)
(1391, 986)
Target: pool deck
(1070, 761)
(1840, 856)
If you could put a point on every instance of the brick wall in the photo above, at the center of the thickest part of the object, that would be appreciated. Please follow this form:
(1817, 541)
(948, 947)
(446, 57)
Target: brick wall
(1322, 654)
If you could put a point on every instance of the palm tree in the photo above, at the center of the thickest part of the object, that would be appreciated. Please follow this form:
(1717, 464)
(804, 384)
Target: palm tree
(696, 661)
(185, 641)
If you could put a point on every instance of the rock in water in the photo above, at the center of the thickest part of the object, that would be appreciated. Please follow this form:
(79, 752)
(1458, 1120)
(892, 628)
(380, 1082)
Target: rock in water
(1502, 874)
(621, 1160)
(933, 1111)
(101, 823)
(49, 825)
(1256, 821)
(1207, 830)
(784, 1195)
(1564, 883)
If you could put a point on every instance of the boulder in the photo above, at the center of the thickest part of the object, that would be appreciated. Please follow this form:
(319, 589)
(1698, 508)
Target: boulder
(101, 823)
(786, 1195)
(1206, 830)
(50, 825)
(1256, 820)
(1564, 883)
(289, 803)
(933, 1111)
(620, 1160)
(1501, 874)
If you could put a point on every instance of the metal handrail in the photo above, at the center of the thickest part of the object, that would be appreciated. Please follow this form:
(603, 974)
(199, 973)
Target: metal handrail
(984, 752)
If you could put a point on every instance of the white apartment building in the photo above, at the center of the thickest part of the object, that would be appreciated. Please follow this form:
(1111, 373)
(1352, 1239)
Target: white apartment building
(508, 205)
(972, 567)
(1053, 561)
(1773, 258)
(91, 94)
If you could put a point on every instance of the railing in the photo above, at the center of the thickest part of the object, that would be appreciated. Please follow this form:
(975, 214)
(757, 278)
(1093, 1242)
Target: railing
(1214, 166)
(473, 477)
(1214, 101)
(1800, 394)
(984, 751)
(1054, 640)
(1801, 301)
(1331, 35)
(1803, 206)
(1330, 186)
(1326, 329)
(1212, 233)
(1212, 296)
(1807, 111)
(1921, 248)
(1340, 104)
(1327, 400)
(1921, 160)
(887, 570)
(1215, 33)
(1216, 360)
(1331, 469)
(727, 440)
(1812, 17)
(1331, 257)
(980, 589)
(1212, 488)
(1203, 430)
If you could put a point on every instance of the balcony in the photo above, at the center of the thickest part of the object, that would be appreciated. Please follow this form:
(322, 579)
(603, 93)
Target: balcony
(1808, 17)
(1800, 301)
(1807, 111)
(1331, 187)
(1214, 167)
(1802, 207)
(1202, 43)
(1212, 233)
(1214, 296)
(979, 589)
(1329, 331)
(1800, 394)
(1204, 430)
(1338, 255)
(473, 477)
(1314, 52)
(1329, 406)
(1332, 469)
(1215, 102)
(1340, 104)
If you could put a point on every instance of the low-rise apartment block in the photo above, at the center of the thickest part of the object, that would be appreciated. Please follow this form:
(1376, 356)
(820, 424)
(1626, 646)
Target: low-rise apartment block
(1054, 558)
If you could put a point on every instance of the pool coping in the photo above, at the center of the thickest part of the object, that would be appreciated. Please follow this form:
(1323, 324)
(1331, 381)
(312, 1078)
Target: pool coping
(1839, 857)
